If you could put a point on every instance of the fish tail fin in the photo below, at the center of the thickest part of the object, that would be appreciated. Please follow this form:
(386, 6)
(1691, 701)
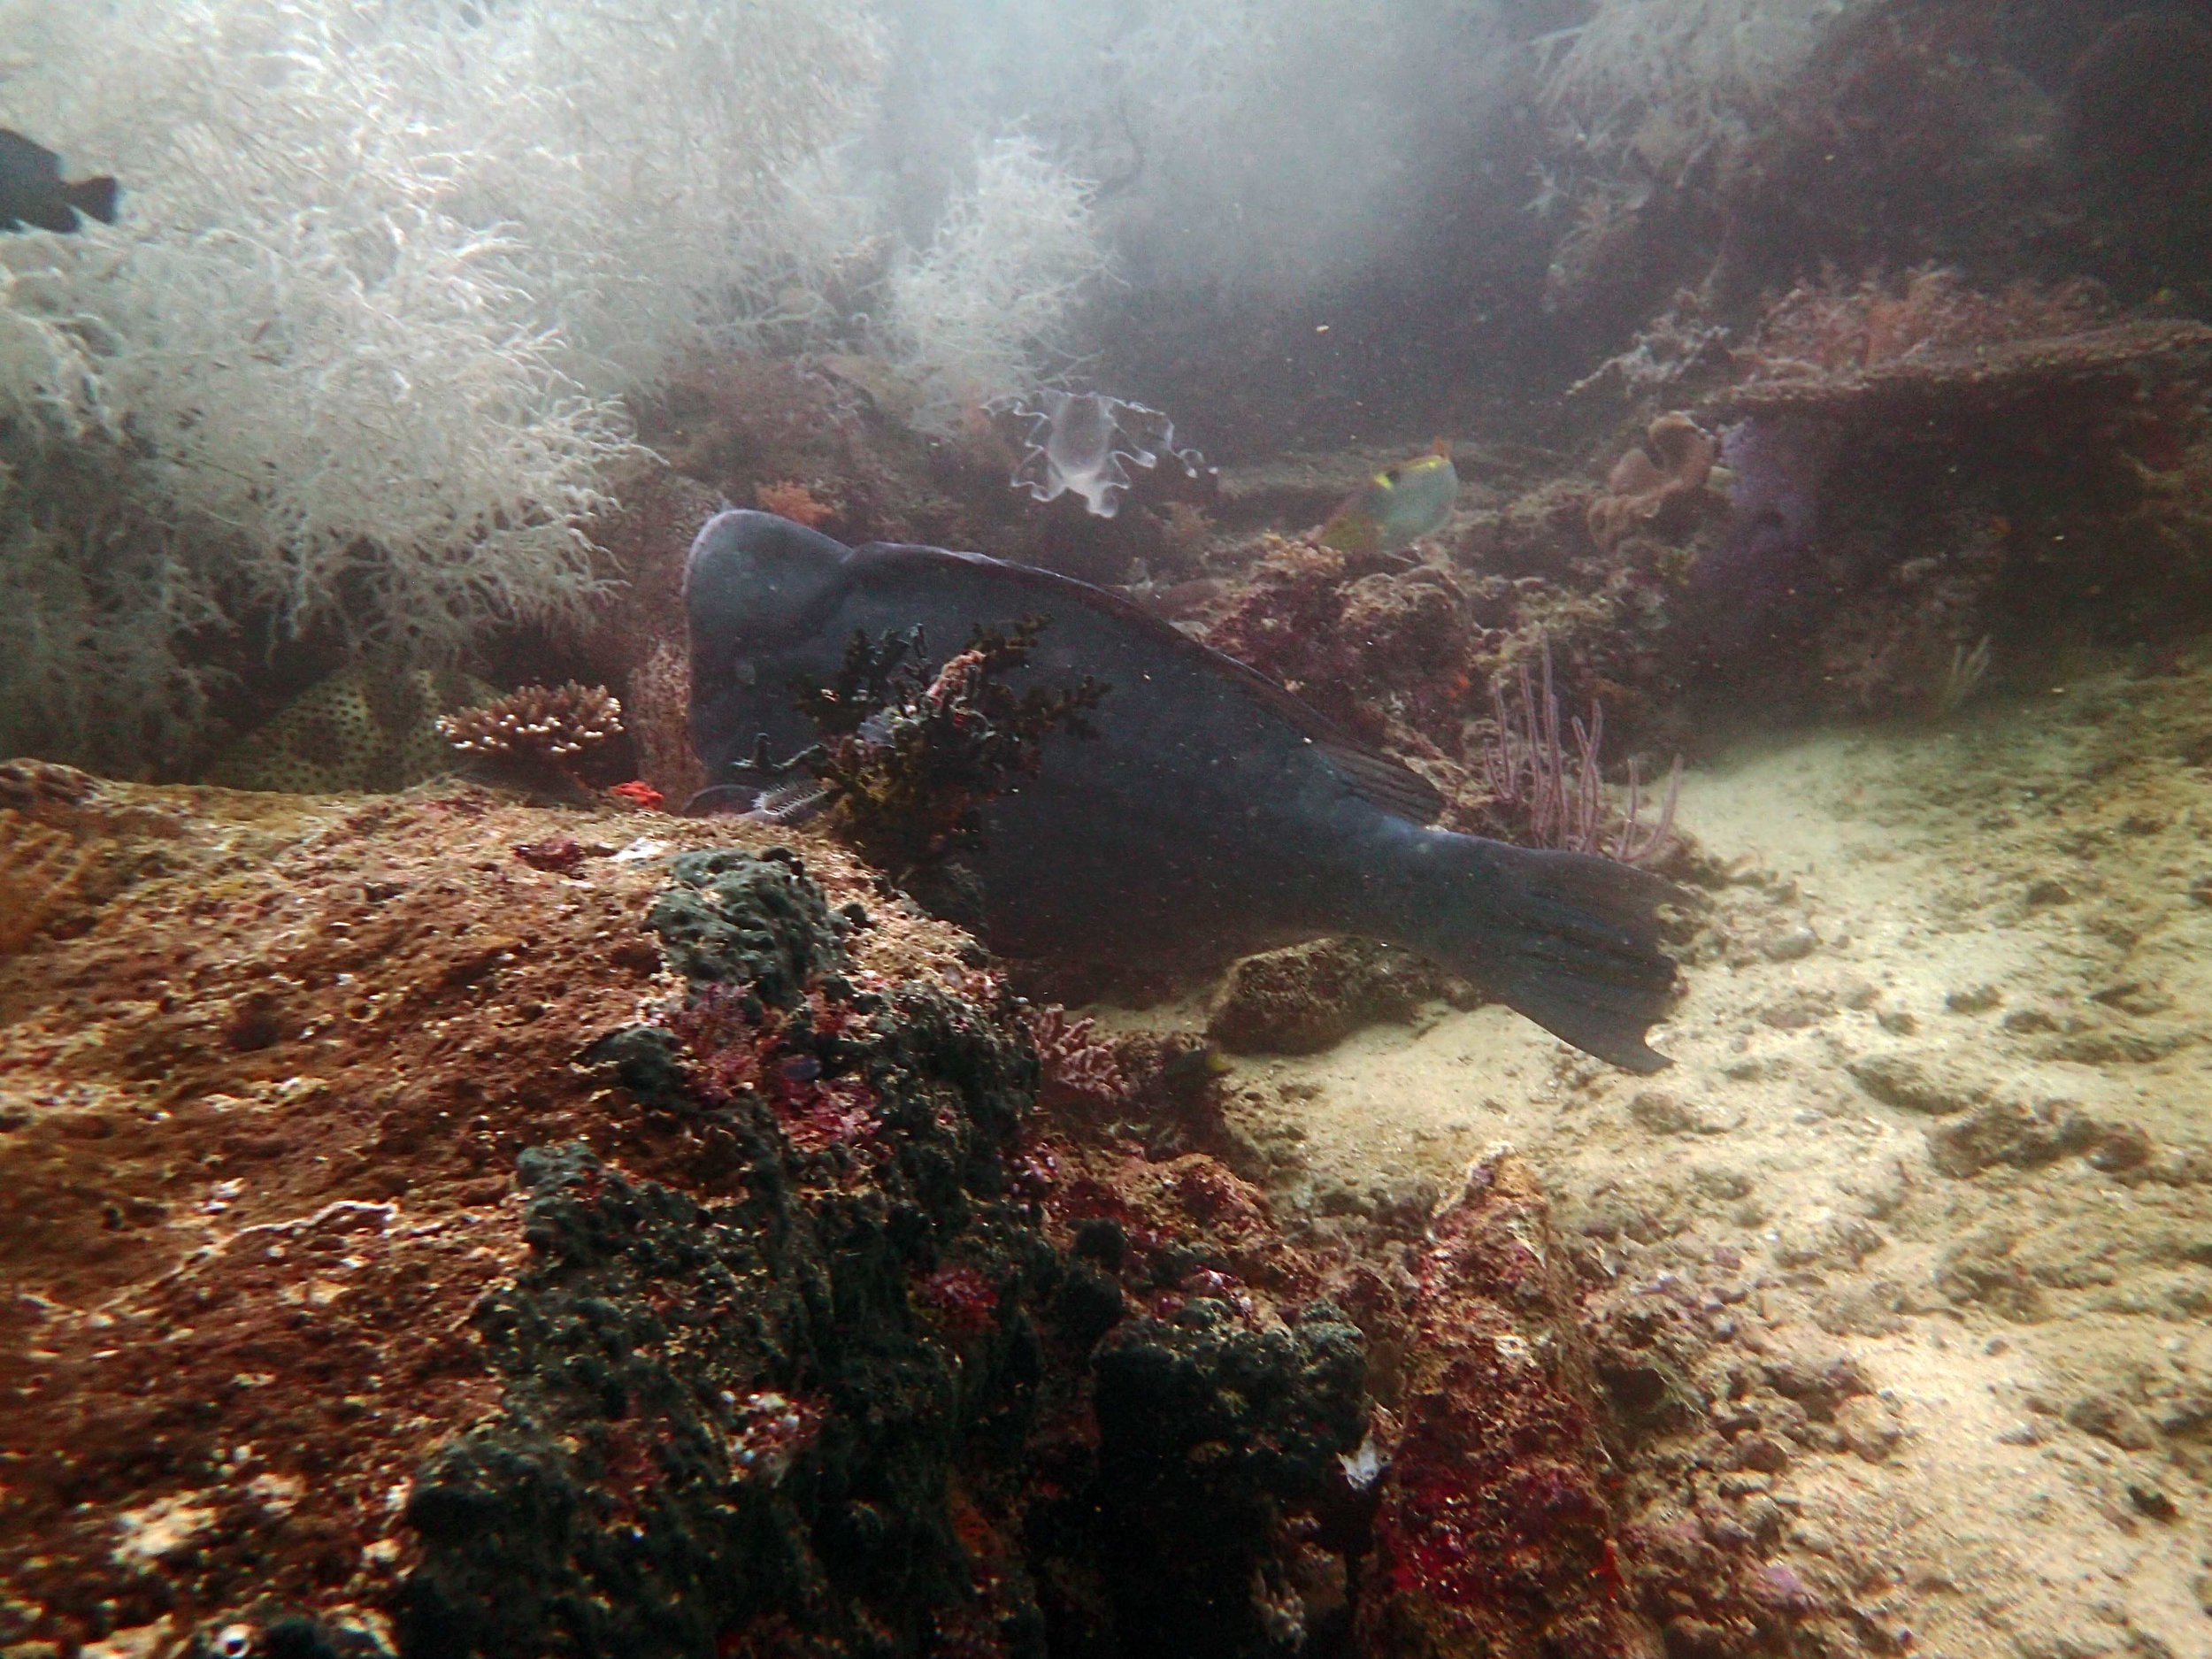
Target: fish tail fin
(1570, 940)
(94, 196)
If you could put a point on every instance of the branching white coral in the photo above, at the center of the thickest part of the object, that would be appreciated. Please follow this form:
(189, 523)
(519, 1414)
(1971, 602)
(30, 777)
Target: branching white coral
(1248, 143)
(400, 456)
(50, 381)
(88, 664)
(384, 267)
(985, 310)
(1665, 75)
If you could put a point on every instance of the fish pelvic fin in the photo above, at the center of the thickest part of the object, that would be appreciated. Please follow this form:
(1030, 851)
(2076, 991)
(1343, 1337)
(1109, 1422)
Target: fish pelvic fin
(1569, 939)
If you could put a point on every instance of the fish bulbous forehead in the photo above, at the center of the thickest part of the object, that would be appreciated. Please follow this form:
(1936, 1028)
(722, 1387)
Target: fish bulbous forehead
(749, 571)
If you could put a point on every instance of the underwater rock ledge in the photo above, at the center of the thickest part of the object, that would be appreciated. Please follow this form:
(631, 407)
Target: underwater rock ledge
(420, 1245)
(407, 1258)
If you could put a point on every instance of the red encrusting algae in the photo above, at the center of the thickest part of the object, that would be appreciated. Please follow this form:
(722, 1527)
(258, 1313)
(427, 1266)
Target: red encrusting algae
(1493, 1536)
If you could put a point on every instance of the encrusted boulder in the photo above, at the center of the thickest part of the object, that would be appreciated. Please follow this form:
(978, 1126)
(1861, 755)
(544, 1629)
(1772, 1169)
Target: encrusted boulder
(1209, 1422)
(1495, 1535)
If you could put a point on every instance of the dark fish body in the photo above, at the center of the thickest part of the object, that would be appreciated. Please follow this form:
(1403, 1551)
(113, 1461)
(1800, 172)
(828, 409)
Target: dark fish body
(1212, 816)
(33, 192)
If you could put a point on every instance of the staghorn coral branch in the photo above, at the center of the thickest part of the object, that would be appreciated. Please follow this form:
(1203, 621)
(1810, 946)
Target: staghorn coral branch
(548, 723)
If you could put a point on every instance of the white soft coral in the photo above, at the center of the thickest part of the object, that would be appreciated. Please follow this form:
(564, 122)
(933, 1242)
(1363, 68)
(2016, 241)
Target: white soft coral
(1666, 76)
(985, 310)
(383, 270)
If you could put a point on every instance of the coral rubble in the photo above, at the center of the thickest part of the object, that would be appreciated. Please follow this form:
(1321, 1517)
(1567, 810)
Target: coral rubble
(39, 868)
(1305, 998)
(1211, 1420)
(690, 1442)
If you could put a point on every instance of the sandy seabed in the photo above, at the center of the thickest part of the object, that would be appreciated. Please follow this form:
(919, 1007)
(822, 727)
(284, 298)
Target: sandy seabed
(1942, 1104)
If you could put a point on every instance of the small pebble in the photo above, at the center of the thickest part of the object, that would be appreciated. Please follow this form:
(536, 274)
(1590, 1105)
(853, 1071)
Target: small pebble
(1761, 1452)
(1868, 1429)
(1792, 944)
(1661, 1112)
(2151, 1501)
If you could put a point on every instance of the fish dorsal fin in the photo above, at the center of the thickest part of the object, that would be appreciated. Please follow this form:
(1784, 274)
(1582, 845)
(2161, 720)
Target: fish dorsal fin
(1375, 778)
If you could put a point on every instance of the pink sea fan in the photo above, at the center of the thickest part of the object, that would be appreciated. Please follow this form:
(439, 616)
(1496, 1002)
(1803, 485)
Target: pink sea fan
(1560, 803)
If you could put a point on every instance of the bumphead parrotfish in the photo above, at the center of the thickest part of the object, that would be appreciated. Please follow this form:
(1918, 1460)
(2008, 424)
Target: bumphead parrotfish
(1211, 815)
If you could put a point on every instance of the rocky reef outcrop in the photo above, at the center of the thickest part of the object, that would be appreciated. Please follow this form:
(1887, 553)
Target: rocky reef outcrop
(421, 1245)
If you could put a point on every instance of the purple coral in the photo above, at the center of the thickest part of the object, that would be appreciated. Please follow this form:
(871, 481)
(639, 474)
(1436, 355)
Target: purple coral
(1773, 501)
(1560, 803)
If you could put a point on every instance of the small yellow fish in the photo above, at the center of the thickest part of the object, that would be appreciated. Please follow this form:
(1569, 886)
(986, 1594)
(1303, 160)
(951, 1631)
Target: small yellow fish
(1396, 507)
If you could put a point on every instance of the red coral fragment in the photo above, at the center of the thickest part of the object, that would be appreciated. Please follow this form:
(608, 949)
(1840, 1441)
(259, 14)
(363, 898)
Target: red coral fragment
(739, 1048)
(962, 1300)
(638, 793)
(1493, 1532)
(815, 1116)
(795, 501)
(559, 855)
(1078, 1067)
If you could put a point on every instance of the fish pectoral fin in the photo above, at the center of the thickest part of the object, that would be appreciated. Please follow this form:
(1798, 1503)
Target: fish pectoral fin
(1381, 781)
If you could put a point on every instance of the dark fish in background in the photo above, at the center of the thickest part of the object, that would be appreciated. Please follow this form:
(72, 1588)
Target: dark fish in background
(1212, 814)
(32, 191)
